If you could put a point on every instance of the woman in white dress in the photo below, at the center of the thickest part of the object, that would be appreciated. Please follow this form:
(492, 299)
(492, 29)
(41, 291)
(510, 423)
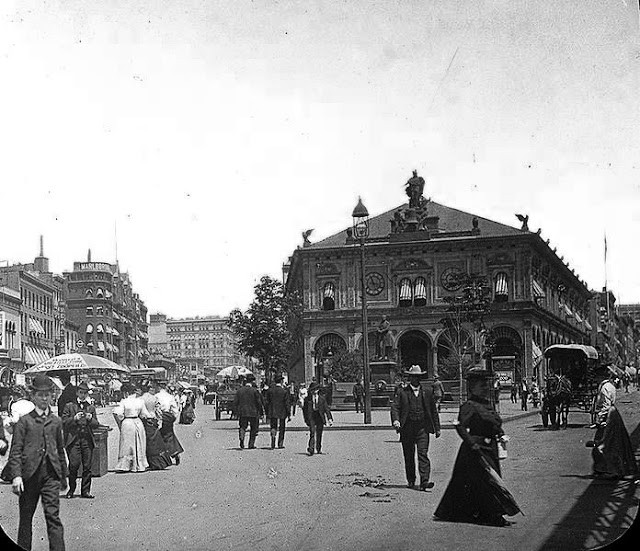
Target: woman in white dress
(132, 452)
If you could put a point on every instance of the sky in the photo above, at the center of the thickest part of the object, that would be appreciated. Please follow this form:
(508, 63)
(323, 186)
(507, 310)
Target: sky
(203, 137)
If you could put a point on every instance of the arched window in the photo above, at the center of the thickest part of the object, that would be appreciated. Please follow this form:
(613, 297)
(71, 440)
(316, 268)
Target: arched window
(406, 292)
(100, 328)
(420, 292)
(99, 293)
(88, 293)
(89, 329)
(99, 311)
(501, 287)
(329, 296)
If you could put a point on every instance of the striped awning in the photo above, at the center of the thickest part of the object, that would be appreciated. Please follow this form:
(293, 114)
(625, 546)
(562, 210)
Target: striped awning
(536, 353)
(36, 326)
(34, 355)
(538, 291)
(578, 317)
(116, 316)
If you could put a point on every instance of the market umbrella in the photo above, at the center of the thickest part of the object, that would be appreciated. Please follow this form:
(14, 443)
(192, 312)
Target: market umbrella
(75, 362)
(233, 372)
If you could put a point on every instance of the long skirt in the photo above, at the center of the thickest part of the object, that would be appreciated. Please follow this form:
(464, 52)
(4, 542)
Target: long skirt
(157, 455)
(612, 452)
(170, 440)
(471, 496)
(188, 415)
(132, 452)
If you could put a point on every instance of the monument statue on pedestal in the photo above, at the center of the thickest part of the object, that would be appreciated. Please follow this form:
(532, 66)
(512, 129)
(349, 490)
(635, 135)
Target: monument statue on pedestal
(383, 339)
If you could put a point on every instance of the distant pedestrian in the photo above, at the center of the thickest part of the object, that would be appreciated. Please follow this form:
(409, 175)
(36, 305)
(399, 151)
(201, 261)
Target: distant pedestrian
(514, 393)
(188, 414)
(249, 406)
(524, 395)
(79, 418)
(328, 390)
(37, 467)
(415, 415)
(358, 396)
(302, 394)
(535, 393)
(293, 397)
(278, 410)
(316, 414)
(438, 390)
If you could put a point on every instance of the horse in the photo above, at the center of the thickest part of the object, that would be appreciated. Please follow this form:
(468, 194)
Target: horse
(559, 392)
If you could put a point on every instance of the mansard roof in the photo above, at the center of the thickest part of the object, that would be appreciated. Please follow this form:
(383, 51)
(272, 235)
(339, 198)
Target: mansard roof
(450, 221)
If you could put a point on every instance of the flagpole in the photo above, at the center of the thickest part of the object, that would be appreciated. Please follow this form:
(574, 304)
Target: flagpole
(606, 289)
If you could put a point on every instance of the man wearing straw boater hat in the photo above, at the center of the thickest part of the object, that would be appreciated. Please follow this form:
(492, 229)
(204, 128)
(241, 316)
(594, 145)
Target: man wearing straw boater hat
(37, 466)
(414, 414)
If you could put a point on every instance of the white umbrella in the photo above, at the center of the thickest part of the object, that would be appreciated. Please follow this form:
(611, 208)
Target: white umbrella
(233, 372)
(75, 362)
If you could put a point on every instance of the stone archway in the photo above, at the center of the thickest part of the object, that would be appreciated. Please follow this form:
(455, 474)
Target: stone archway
(507, 343)
(415, 348)
(327, 346)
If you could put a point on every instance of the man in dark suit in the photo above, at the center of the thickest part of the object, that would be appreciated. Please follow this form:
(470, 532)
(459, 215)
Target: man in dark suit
(414, 414)
(37, 466)
(79, 419)
(278, 408)
(358, 395)
(68, 393)
(316, 414)
(249, 407)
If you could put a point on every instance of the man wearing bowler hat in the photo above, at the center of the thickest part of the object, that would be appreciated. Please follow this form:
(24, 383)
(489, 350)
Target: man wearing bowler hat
(79, 419)
(414, 414)
(37, 466)
(249, 407)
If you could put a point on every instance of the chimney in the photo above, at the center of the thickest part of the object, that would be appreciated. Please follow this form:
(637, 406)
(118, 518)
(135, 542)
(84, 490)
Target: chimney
(89, 256)
(41, 263)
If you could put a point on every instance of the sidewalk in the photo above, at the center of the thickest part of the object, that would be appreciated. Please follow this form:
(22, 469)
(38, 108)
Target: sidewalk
(381, 418)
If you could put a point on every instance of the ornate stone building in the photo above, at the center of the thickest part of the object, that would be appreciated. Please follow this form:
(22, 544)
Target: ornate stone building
(414, 256)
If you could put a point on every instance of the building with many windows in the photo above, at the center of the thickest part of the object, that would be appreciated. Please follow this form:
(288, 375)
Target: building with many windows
(208, 338)
(111, 317)
(415, 256)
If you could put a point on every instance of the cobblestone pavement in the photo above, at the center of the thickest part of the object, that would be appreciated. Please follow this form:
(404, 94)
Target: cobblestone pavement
(352, 497)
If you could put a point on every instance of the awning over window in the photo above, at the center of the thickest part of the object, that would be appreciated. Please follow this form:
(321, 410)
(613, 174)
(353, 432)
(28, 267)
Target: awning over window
(405, 289)
(588, 325)
(108, 329)
(100, 328)
(578, 318)
(115, 332)
(502, 287)
(567, 310)
(420, 288)
(100, 346)
(116, 316)
(329, 290)
(34, 355)
(36, 326)
(537, 354)
(538, 291)
(89, 328)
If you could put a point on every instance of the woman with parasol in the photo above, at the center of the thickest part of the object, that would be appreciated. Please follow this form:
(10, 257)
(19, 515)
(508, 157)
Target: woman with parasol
(476, 492)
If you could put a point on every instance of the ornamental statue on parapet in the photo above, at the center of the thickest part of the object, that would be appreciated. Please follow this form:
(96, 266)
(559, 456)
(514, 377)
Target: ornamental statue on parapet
(414, 189)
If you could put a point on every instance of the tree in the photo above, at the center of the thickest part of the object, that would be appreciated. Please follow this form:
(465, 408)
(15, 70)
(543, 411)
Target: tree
(269, 329)
(346, 366)
(467, 308)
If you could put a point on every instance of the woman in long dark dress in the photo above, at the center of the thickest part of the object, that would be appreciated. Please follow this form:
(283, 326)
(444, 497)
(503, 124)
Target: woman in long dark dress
(473, 494)
(613, 455)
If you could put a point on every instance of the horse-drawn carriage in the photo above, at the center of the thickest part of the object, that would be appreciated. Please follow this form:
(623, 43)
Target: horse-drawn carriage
(571, 380)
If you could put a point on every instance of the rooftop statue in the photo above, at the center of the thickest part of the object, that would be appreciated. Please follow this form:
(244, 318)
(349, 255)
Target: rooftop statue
(414, 189)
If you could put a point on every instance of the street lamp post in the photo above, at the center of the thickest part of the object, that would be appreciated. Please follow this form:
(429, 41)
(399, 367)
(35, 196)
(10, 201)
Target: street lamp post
(361, 231)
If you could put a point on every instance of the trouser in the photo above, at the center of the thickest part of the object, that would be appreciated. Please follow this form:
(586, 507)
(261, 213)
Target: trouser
(523, 403)
(44, 484)
(278, 426)
(80, 453)
(253, 431)
(358, 401)
(293, 404)
(316, 428)
(415, 436)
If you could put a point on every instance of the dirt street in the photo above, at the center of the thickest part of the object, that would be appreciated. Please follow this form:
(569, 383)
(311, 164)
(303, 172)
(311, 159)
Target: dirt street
(352, 497)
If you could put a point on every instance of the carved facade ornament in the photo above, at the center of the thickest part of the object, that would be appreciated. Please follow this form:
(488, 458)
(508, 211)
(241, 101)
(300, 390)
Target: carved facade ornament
(411, 265)
(499, 258)
(326, 268)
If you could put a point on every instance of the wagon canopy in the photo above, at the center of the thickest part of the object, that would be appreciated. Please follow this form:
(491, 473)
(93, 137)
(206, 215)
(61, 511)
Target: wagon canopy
(589, 351)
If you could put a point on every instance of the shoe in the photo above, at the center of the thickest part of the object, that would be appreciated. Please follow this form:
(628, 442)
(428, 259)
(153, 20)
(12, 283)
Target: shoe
(427, 486)
(411, 485)
(87, 496)
(281, 447)
(69, 495)
(177, 460)
(241, 445)
(319, 452)
(252, 447)
(309, 452)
